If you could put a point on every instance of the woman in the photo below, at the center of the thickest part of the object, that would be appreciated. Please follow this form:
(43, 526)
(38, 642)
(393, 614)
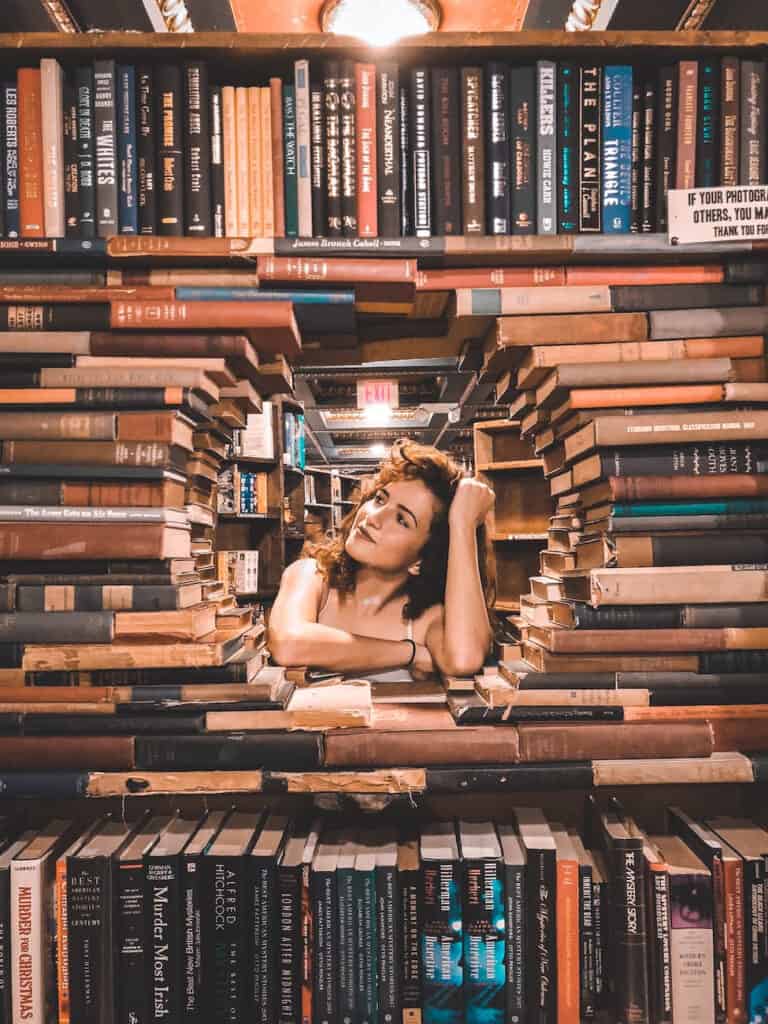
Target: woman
(403, 586)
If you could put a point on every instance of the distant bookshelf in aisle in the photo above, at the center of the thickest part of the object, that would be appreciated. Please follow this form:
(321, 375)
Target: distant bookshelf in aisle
(260, 526)
(519, 522)
(328, 496)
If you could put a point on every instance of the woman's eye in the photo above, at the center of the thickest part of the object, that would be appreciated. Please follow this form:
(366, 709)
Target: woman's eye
(378, 498)
(402, 520)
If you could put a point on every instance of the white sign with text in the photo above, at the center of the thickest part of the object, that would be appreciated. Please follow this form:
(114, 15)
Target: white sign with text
(732, 214)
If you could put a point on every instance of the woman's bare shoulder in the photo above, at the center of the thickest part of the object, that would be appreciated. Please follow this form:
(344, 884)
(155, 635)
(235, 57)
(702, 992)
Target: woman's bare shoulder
(304, 572)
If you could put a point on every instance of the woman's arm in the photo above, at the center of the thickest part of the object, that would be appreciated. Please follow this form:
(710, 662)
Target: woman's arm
(459, 640)
(295, 637)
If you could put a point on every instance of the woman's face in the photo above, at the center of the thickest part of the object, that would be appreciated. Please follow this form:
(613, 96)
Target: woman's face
(391, 528)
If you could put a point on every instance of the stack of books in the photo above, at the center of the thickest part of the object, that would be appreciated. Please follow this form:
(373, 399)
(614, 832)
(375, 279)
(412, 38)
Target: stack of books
(651, 418)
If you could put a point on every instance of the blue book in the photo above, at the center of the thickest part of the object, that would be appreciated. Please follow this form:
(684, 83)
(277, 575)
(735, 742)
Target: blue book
(11, 169)
(199, 294)
(367, 991)
(729, 506)
(290, 163)
(442, 937)
(484, 924)
(617, 148)
(128, 210)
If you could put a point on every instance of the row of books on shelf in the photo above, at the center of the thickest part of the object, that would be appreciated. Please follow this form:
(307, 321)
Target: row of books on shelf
(246, 914)
(240, 492)
(372, 150)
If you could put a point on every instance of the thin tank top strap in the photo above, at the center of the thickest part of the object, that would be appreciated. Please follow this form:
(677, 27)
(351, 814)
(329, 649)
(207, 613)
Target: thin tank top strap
(409, 629)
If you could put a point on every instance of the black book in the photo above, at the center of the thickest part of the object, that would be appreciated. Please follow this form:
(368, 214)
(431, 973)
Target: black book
(345, 903)
(164, 724)
(288, 751)
(420, 152)
(587, 937)
(728, 662)
(498, 170)
(514, 918)
(71, 176)
(406, 181)
(409, 925)
(446, 151)
(192, 898)
(197, 151)
(325, 924)
(708, 124)
(169, 97)
(636, 150)
(118, 399)
(540, 914)
(746, 272)
(80, 627)
(7, 597)
(263, 910)
(689, 696)
(127, 170)
(11, 655)
(441, 925)
(467, 712)
(297, 853)
(473, 152)
(648, 172)
(224, 919)
(156, 678)
(388, 149)
(86, 152)
(105, 133)
(164, 922)
(753, 123)
(331, 95)
(387, 932)
(11, 159)
(706, 459)
(522, 109)
(348, 147)
(90, 597)
(667, 142)
(628, 298)
(569, 187)
(318, 168)
(129, 933)
(145, 150)
(217, 163)
(730, 95)
(85, 472)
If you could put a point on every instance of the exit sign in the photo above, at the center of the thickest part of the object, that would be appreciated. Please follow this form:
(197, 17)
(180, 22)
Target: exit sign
(377, 392)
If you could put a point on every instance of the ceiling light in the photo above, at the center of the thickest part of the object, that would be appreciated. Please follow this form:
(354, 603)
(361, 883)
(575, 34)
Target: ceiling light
(378, 451)
(378, 23)
(377, 414)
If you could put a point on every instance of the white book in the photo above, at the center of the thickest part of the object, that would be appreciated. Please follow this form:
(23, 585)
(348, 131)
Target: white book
(52, 95)
(303, 148)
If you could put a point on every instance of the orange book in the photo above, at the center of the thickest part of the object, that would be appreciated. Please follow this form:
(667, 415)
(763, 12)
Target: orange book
(31, 200)
(255, 177)
(278, 183)
(611, 398)
(367, 192)
(229, 134)
(696, 274)
(267, 171)
(66, 293)
(567, 927)
(339, 270)
(491, 277)
(243, 161)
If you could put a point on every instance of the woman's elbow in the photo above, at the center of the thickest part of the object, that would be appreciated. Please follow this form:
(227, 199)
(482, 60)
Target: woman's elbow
(285, 648)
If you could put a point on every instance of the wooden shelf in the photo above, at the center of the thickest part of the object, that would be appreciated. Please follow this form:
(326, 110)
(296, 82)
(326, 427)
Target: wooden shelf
(254, 460)
(317, 504)
(524, 537)
(521, 465)
(249, 515)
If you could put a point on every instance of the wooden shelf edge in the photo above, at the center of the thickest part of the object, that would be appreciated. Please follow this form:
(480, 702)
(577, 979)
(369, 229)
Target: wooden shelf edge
(521, 465)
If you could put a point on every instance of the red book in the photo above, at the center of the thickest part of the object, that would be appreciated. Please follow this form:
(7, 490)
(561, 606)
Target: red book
(31, 203)
(366, 151)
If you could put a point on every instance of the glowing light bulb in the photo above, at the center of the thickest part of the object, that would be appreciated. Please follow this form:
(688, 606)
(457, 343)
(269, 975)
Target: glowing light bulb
(380, 24)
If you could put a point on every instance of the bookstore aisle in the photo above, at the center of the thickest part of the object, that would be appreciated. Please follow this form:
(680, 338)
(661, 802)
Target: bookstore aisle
(189, 833)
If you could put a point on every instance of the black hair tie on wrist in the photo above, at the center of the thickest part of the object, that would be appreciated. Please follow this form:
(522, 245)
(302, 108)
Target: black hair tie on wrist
(407, 640)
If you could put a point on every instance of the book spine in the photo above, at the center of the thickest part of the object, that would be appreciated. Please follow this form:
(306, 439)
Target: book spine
(546, 152)
(406, 183)
(31, 202)
(277, 162)
(660, 977)
(128, 213)
(290, 168)
(442, 942)
(708, 459)
(515, 916)
(733, 879)
(242, 168)
(691, 944)
(87, 900)
(637, 149)
(730, 95)
(367, 184)
(254, 194)
(105, 133)
(388, 150)
(289, 947)
(541, 971)
(307, 946)
(687, 93)
(387, 904)
(11, 169)
(629, 937)
(267, 183)
(326, 960)
(567, 140)
(648, 170)
(484, 943)
(224, 939)
(707, 125)
(31, 627)
(366, 946)
(348, 148)
(617, 148)
(263, 896)
(216, 126)
(197, 150)
(473, 152)
(71, 176)
(6, 1005)
(590, 149)
(667, 143)
(130, 943)
(145, 145)
(753, 123)
(600, 920)
(303, 150)
(52, 114)
(347, 1002)
(161, 923)
(191, 979)
(420, 153)
(498, 176)
(446, 151)
(588, 995)
(719, 939)
(317, 139)
(522, 106)
(332, 147)
(229, 159)
(410, 945)
(170, 156)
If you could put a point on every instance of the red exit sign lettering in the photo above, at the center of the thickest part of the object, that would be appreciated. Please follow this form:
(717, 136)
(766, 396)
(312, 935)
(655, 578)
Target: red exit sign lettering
(377, 392)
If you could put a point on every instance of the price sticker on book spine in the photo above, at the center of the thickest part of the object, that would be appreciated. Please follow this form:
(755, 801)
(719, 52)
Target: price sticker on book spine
(733, 214)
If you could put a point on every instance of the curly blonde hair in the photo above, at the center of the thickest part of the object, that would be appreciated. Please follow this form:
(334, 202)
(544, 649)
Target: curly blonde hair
(408, 460)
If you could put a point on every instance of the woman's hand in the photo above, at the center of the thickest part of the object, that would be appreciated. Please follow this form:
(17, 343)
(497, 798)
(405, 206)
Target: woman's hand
(471, 503)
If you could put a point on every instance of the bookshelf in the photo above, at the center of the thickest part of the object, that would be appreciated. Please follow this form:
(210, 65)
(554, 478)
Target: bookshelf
(327, 499)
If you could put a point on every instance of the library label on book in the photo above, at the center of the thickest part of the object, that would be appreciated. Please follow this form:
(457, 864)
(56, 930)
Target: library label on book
(731, 214)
